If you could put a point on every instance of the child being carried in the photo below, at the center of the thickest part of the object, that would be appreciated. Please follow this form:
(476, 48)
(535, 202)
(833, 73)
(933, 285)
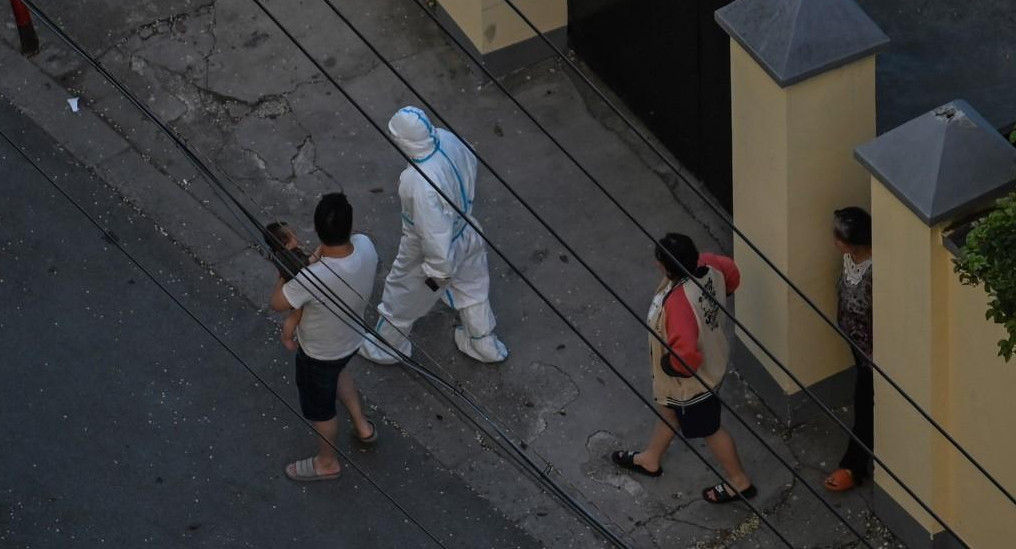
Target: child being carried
(289, 259)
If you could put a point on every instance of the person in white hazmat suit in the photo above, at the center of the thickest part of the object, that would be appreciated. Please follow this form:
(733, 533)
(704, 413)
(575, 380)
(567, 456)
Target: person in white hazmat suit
(440, 255)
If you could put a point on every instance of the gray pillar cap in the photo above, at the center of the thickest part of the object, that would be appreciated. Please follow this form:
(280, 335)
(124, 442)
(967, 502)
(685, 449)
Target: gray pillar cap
(796, 39)
(944, 164)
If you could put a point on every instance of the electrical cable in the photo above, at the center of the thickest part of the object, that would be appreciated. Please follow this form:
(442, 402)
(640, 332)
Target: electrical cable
(513, 450)
(808, 392)
(603, 283)
(419, 369)
(306, 53)
(377, 127)
(250, 370)
(709, 201)
(55, 28)
(579, 258)
(517, 452)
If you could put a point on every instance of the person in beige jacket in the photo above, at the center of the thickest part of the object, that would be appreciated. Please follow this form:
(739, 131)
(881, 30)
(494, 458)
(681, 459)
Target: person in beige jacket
(687, 316)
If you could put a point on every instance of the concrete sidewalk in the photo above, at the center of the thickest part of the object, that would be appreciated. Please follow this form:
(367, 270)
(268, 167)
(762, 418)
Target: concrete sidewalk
(243, 96)
(124, 424)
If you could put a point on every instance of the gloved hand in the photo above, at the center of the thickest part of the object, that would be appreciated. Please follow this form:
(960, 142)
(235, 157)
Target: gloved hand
(436, 284)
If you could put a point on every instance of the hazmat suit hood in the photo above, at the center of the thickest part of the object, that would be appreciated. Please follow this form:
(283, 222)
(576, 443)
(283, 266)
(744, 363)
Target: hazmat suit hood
(414, 133)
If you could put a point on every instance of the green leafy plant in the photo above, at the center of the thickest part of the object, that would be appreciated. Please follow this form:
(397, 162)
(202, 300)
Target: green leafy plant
(989, 257)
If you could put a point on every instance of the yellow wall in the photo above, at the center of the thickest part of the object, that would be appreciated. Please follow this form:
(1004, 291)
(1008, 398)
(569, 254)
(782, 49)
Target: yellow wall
(492, 25)
(792, 166)
(830, 115)
(982, 414)
(933, 340)
(911, 344)
(759, 148)
(466, 14)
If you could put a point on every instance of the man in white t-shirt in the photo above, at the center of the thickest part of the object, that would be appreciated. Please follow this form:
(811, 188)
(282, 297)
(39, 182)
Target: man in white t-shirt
(337, 284)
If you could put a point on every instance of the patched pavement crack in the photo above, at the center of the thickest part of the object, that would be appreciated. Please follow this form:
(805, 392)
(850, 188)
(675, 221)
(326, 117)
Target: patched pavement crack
(665, 515)
(565, 392)
(213, 12)
(258, 160)
(154, 25)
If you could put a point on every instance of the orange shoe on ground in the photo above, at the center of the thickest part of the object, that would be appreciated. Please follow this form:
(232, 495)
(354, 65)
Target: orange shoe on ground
(840, 480)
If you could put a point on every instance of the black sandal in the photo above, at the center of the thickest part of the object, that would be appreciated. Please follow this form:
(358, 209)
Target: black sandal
(723, 496)
(368, 439)
(626, 460)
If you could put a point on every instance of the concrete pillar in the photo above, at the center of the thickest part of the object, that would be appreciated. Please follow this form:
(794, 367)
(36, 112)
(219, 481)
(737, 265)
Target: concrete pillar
(802, 98)
(495, 33)
(928, 173)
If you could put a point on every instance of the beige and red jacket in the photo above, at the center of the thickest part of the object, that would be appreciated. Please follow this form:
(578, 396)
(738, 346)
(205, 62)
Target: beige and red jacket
(691, 323)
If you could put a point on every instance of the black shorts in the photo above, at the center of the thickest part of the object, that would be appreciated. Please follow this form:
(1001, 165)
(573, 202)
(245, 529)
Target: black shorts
(699, 420)
(317, 382)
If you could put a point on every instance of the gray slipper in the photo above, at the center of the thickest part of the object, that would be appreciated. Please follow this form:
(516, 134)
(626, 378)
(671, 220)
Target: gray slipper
(305, 472)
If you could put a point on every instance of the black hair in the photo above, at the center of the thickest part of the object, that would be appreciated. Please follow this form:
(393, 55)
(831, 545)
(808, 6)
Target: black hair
(288, 262)
(333, 219)
(683, 252)
(852, 226)
(276, 234)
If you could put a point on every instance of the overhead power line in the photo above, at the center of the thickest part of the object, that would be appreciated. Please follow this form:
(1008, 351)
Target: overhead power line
(749, 333)
(755, 249)
(493, 247)
(219, 189)
(56, 29)
(497, 250)
(190, 314)
(588, 268)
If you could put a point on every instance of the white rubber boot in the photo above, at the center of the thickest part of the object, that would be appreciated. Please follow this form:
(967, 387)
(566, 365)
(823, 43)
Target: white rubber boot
(381, 353)
(476, 335)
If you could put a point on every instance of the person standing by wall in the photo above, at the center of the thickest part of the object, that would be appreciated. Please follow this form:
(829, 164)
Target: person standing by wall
(344, 272)
(852, 237)
(687, 316)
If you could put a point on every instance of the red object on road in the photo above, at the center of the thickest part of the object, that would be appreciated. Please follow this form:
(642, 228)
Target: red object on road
(26, 30)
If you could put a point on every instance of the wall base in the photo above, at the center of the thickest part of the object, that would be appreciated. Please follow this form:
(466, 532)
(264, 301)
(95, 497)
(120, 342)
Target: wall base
(511, 58)
(904, 527)
(835, 391)
(792, 409)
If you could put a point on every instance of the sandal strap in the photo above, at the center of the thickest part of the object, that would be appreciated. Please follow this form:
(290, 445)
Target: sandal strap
(305, 467)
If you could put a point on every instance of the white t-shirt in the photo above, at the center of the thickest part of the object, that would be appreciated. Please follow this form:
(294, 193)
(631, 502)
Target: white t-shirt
(348, 280)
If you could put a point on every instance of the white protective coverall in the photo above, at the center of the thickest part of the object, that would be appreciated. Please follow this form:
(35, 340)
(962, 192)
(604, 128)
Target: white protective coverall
(437, 244)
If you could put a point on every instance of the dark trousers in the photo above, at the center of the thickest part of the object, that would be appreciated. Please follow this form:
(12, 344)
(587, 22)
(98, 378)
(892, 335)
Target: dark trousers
(857, 458)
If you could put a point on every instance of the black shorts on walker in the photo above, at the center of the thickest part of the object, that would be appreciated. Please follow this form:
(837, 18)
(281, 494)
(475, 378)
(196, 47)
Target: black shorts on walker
(317, 382)
(698, 420)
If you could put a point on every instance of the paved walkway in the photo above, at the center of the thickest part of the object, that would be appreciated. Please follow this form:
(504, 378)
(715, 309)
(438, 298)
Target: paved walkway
(125, 425)
(243, 96)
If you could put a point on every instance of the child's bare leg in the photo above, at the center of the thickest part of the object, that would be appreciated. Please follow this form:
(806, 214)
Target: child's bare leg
(289, 329)
(650, 457)
(722, 446)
